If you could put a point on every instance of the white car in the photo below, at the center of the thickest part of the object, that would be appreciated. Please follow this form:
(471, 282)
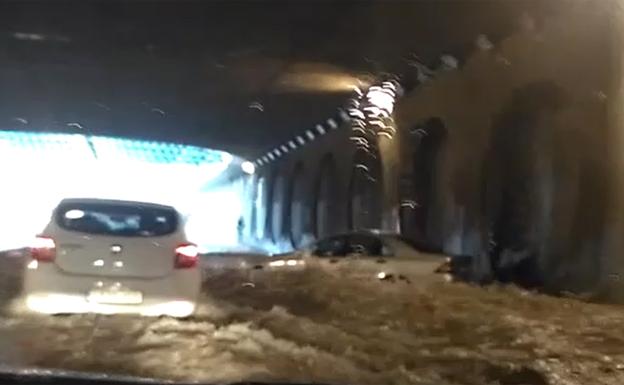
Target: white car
(217, 261)
(377, 255)
(253, 263)
(108, 257)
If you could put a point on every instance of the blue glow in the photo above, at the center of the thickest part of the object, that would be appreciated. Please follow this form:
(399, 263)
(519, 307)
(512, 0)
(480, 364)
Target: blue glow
(108, 148)
(40, 169)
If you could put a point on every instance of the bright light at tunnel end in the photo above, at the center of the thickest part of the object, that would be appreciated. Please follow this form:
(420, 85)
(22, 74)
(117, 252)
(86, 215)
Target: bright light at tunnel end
(248, 167)
(125, 169)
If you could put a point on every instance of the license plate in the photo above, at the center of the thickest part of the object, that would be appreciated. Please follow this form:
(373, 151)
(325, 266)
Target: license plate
(117, 297)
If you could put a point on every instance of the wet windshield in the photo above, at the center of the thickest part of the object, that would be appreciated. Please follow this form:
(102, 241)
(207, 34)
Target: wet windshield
(329, 192)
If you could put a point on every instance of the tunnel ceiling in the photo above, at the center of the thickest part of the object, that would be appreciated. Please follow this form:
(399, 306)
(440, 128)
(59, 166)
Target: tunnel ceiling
(241, 76)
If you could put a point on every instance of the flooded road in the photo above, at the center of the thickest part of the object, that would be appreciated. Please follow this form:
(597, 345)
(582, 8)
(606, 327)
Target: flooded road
(315, 327)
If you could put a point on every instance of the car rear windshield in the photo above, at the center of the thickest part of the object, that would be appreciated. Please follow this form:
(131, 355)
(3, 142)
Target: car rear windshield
(117, 219)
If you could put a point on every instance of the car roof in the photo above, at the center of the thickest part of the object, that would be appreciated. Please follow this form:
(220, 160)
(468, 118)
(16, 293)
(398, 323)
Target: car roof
(373, 233)
(114, 202)
(388, 235)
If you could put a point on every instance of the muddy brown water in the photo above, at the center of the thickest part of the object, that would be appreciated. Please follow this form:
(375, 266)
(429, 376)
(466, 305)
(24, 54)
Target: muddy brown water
(316, 327)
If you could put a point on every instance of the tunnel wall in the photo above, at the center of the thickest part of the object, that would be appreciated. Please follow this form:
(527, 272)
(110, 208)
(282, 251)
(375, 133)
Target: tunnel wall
(525, 166)
(526, 128)
(292, 180)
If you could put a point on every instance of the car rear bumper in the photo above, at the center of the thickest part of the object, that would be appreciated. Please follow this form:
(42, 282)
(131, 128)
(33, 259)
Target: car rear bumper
(50, 291)
(56, 303)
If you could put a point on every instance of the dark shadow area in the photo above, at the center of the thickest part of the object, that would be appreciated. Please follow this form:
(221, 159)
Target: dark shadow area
(513, 176)
(364, 204)
(427, 142)
(299, 207)
(278, 198)
(325, 198)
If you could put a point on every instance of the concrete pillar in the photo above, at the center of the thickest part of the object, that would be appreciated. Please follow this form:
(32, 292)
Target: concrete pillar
(390, 153)
(613, 258)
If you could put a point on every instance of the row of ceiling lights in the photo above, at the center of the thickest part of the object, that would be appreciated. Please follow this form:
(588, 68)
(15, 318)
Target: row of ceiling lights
(298, 141)
(387, 90)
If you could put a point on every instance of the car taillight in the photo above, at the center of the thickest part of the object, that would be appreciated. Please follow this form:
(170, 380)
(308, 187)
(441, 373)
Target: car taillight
(186, 256)
(43, 249)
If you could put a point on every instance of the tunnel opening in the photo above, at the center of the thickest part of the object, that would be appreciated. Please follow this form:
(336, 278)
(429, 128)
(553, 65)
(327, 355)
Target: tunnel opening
(92, 166)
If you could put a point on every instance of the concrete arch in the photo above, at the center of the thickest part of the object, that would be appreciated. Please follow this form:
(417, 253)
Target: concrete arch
(415, 215)
(326, 191)
(242, 226)
(268, 226)
(517, 190)
(364, 199)
(260, 207)
(250, 215)
(299, 215)
(278, 201)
